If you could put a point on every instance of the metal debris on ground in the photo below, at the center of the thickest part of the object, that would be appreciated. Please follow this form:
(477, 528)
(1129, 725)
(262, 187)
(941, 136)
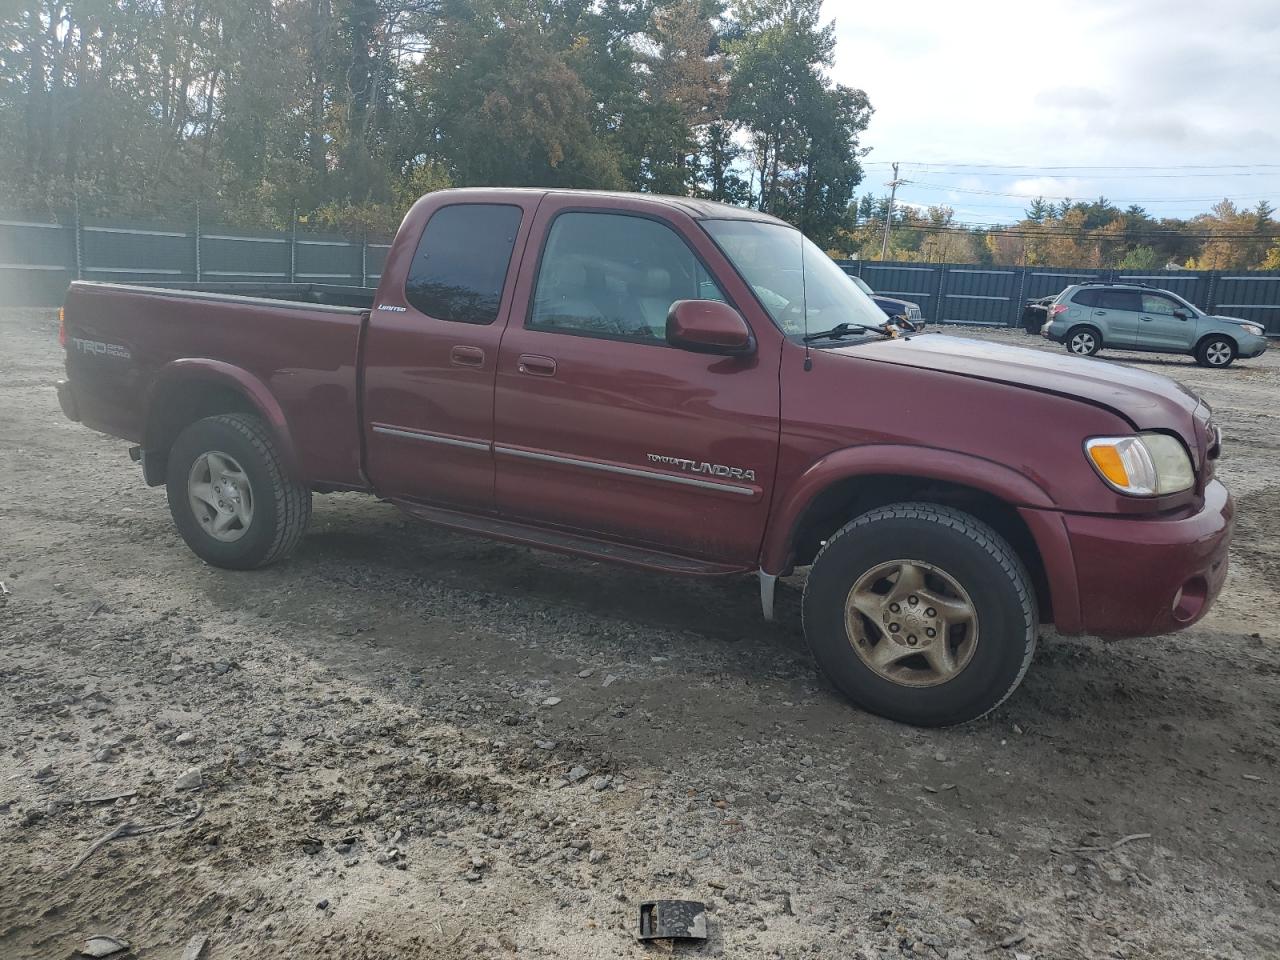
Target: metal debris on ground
(195, 947)
(673, 920)
(102, 945)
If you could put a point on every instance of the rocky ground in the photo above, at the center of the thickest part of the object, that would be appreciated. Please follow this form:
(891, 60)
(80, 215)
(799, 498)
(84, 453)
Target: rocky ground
(403, 743)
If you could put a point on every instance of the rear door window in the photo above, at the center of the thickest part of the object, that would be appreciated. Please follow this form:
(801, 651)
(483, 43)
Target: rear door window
(460, 267)
(1129, 300)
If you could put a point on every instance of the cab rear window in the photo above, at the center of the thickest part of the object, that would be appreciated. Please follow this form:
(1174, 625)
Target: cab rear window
(460, 267)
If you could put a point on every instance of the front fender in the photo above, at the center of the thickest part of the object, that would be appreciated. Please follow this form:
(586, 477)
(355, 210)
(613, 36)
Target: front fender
(178, 375)
(927, 463)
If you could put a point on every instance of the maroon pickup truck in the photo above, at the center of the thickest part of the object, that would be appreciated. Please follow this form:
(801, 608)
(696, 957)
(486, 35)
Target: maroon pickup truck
(687, 387)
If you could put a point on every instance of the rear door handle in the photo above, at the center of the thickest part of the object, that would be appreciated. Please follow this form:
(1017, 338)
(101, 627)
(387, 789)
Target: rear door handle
(467, 356)
(536, 366)
(1099, 313)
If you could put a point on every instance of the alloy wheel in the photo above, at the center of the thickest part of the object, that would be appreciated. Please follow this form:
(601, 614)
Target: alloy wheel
(911, 623)
(221, 496)
(1218, 353)
(1083, 343)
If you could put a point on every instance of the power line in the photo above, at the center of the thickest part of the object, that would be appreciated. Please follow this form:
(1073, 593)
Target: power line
(1023, 230)
(1035, 167)
(1112, 176)
(1025, 197)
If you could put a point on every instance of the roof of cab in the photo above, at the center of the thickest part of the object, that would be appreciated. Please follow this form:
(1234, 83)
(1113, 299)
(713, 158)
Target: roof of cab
(692, 206)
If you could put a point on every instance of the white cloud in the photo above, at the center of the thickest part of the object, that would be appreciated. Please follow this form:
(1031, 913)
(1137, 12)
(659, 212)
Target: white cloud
(1031, 187)
(1068, 82)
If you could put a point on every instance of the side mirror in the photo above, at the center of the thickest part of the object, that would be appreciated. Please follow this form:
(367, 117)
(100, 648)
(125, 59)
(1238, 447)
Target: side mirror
(709, 326)
(1182, 315)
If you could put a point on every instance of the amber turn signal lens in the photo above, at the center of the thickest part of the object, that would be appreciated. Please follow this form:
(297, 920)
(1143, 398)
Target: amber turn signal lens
(1110, 465)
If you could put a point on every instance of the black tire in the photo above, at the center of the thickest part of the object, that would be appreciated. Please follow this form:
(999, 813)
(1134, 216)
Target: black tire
(969, 552)
(281, 507)
(1210, 352)
(1083, 341)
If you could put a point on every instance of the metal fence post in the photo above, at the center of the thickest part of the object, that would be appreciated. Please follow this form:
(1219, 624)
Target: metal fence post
(364, 258)
(75, 194)
(1022, 297)
(942, 289)
(293, 246)
(197, 241)
(1211, 305)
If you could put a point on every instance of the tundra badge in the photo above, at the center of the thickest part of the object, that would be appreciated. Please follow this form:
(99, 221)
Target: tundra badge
(701, 466)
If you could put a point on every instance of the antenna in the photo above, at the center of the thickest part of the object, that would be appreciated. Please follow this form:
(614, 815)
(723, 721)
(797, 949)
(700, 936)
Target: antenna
(804, 305)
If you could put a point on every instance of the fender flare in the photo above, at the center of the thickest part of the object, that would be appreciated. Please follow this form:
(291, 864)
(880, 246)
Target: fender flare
(928, 463)
(201, 369)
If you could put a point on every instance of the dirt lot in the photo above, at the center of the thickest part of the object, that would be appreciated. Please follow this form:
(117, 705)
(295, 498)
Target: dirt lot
(416, 745)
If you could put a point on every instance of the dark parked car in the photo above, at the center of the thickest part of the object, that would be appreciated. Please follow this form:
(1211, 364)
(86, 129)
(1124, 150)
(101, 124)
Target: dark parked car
(689, 388)
(1035, 313)
(892, 306)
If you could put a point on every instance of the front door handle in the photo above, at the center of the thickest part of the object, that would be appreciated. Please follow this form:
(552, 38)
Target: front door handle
(465, 356)
(536, 366)
(1146, 319)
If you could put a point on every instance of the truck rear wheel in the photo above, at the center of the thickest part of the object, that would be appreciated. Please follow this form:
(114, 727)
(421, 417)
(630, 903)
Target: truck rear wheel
(921, 613)
(231, 497)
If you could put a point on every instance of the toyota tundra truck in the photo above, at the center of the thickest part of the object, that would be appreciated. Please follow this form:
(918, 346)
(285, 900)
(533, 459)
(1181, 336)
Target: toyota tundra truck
(690, 388)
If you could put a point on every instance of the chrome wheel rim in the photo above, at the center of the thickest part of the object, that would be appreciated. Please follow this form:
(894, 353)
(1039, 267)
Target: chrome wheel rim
(1218, 353)
(911, 623)
(221, 496)
(1082, 343)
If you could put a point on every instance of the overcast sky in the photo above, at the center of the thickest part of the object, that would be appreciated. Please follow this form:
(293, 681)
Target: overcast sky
(1061, 83)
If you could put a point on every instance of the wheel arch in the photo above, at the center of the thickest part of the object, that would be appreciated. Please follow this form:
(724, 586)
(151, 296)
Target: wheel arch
(1206, 337)
(191, 389)
(851, 482)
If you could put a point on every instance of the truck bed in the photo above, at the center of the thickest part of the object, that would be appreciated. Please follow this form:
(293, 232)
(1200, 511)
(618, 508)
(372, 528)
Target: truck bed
(125, 341)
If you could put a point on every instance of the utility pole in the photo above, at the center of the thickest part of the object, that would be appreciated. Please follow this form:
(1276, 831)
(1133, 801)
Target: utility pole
(888, 214)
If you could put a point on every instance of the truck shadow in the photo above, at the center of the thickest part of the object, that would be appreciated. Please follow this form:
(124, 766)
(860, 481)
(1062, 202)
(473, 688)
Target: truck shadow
(478, 635)
(373, 578)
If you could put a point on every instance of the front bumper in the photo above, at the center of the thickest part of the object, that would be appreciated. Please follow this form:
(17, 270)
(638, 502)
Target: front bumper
(1138, 577)
(1251, 346)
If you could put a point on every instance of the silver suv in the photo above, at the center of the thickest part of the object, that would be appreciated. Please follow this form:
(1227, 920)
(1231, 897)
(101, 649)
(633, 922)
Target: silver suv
(1086, 317)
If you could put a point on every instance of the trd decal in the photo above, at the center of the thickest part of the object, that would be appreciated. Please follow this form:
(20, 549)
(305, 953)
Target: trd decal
(98, 348)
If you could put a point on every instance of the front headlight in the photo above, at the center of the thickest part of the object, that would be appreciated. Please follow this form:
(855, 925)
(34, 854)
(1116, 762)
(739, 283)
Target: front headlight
(1146, 465)
(1250, 328)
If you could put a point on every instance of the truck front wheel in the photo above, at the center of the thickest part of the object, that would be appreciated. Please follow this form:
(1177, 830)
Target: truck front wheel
(921, 613)
(231, 497)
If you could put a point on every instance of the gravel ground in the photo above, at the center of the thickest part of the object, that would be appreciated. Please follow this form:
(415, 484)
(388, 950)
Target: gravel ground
(403, 743)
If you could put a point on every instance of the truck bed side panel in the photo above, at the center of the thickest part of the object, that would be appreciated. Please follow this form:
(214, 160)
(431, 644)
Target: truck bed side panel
(121, 339)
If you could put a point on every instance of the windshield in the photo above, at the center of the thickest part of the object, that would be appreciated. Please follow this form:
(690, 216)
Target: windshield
(769, 257)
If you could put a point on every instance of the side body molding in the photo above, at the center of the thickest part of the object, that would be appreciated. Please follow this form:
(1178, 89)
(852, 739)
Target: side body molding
(996, 479)
(178, 374)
